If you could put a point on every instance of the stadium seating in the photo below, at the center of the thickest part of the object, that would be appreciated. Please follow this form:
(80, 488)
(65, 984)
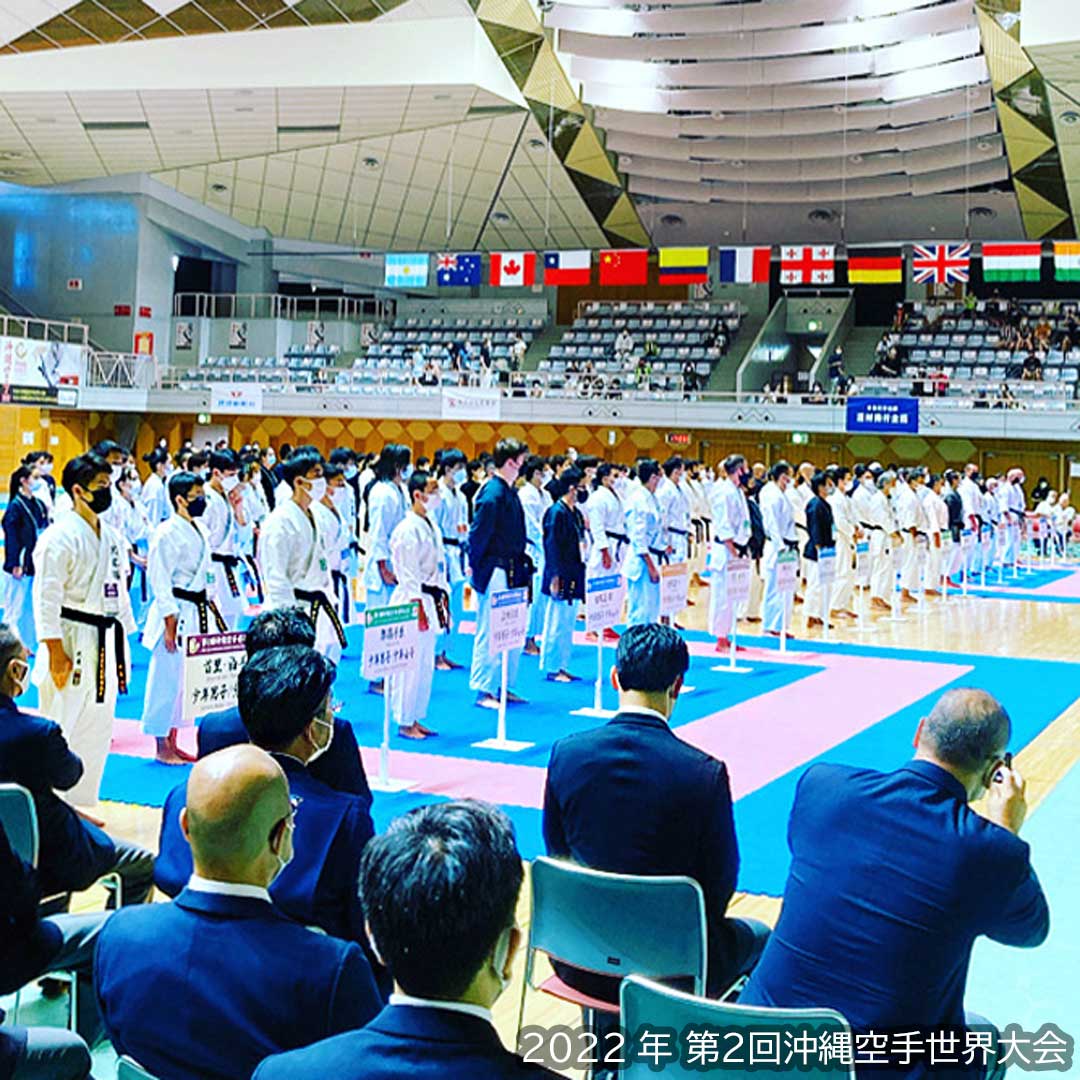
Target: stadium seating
(299, 368)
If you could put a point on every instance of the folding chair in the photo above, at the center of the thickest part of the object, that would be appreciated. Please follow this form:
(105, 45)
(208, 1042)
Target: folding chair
(129, 1069)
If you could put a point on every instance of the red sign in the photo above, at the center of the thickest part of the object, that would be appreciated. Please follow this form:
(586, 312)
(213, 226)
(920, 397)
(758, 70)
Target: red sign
(121, 310)
(145, 312)
(74, 284)
(678, 438)
(144, 343)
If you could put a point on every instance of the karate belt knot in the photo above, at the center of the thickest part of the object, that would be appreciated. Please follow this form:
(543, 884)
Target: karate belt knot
(441, 599)
(230, 562)
(204, 606)
(319, 601)
(102, 624)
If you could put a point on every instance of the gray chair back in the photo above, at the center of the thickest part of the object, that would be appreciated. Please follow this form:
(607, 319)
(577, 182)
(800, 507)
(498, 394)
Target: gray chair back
(18, 817)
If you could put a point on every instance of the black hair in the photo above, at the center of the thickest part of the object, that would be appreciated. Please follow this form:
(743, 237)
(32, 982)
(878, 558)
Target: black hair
(651, 657)
(81, 470)
(342, 455)
(423, 462)
(156, 457)
(418, 481)
(647, 468)
(556, 460)
(733, 462)
(280, 626)
(836, 473)
(17, 477)
(438, 889)
(107, 447)
(571, 478)
(818, 481)
(180, 485)
(534, 463)
(449, 459)
(603, 470)
(674, 462)
(223, 460)
(332, 471)
(508, 449)
(392, 458)
(781, 468)
(9, 644)
(280, 691)
(300, 463)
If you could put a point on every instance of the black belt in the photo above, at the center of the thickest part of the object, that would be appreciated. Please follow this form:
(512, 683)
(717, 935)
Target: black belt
(230, 562)
(320, 601)
(102, 623)
(341, 590)
(621, 537)
(441, 599)
(142, 582)
(205, 607)
(661, 555)
(253, 566)
(454, 541)
(678, 532)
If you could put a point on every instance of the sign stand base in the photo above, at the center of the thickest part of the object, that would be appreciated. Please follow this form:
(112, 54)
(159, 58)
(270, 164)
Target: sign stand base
(501, 742)
(731, 667)
(384, 781)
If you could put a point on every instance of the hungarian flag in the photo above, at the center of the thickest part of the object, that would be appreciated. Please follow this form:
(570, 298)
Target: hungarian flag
(1066, 261)
(875, 266)
(1012, 262)
(684, 266)
(567, 267)
(808, 265)
(941, 264)
(624, 266)
(513, 268)
(745, 265)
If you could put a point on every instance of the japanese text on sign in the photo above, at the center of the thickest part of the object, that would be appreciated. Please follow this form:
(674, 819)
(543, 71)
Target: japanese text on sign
(604, 601)
(509, 620)
(390, 639)
(674, 588)
(212, 664)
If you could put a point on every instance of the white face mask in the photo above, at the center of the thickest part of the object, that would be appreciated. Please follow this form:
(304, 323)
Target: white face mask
(116, 471)
(228, 483)
(271, 459)
(433, 501)
(406, 473)
(320, 750)
(459, 476)
(21, 681)
(318, 489)
(340, 497)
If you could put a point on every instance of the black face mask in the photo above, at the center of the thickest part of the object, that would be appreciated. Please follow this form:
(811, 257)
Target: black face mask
(197, 506)
(582, 495)
(100, 499)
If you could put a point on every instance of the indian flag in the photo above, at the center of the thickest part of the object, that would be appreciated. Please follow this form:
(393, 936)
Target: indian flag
(1011, 262)
(1066, 261)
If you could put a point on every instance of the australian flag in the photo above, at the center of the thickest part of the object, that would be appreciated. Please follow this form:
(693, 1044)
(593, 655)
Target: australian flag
(458, 269)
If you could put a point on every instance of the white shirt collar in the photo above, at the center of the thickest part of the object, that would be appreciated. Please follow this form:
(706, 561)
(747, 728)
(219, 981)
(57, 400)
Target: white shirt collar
(640, 710)
(227, 888)
(449, 1006)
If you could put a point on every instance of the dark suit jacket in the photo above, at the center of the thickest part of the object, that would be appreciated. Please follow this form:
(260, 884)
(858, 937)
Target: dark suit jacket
(955, 505)
(406, 1041)
(23, 519)
(631, 797)
(340, 767)
(266, 479)
(497, 534)
(564, 531)
(34, 753)
(205, 987)
(819, 524)
(893, 877)
(319, 887)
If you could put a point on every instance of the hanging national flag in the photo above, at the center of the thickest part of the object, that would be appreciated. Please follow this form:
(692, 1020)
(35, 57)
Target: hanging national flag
(624, 266)
(875, 266)
(406, 271)
(513, 268)
(941, 264)
(1012, 262)
(745, 265)
(1066, 260)
(567, 267)
(808, 265)
(684, 266)
(460, 269)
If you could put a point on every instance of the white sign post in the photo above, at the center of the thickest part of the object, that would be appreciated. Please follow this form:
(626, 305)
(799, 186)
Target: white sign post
(967, 546)
(826, 568)
(212, 664)
(390, 641)
(603, 609)
(787, 573)
(508, 630)
(736, 579)
(862, 574)
(674, 588)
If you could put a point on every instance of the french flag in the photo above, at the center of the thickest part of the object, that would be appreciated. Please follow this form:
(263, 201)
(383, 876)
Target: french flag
(567, 267)
(745, 265)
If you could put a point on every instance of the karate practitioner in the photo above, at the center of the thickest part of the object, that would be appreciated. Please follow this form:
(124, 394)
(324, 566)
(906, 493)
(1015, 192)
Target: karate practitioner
(730, 514)
(607, 524)
(154, 495)
(222, 522)
(564, 576)
(778, 519)
(181, 575)
(24, 520)
(132, 523)
(675, 509)
(991, 514)
(846, 534)
(648, 546)
(535, 499)
(954, 508)
(417, 552)
(387, 503)
(292, 552)
(912, 525)
(451, 516)
(82, 610)
(332, 517)
(1013, 507)
(937, 519)
(820, 535)
(348, 503)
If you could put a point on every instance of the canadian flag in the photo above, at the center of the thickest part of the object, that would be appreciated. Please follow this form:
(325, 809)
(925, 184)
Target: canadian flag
(513, 268)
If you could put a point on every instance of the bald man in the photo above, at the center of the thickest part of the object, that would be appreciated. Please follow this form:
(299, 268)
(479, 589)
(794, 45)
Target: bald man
(893, 876)
(208, 985)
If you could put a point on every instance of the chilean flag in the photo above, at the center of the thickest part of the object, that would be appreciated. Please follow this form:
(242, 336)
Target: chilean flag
(513, 268)
(567, 267)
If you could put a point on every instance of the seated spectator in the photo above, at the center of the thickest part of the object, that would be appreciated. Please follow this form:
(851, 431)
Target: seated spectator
(429, 376)
(894, 876)
(205, 987)
(341, 766)
(690, 378)
(633, 798)
(441, 889)
(817, 394)
(286, 708)
(1033, 369)
(517, 351)
(624, 343)
(74, 851)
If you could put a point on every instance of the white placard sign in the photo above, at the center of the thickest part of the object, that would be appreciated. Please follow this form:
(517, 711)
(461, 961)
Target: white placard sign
(967, 540)
(390, 639)
(674, 588)
(231, 398)
(738, 581)
(212, 664)
(787, 571)
(826, 565)
(509, 620)
(862, 558)
(467, 403)
(604, 601)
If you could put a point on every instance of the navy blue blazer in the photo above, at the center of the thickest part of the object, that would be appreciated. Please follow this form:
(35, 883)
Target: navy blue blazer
(34, 753)
(893, 877)
(205, 987)
(340, 767)
(406, 1040)
(819, 524)
(564, 533)
(631, 797)
(12, 1047)
(320, 886)
(497, 535)
(23, 520)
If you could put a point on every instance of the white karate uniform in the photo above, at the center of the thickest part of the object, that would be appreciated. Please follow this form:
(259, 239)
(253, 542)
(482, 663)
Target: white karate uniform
(452, 520)
(675, 510)
(179, 559)
(387, 506)
(645, 527)
(87, 572)
(417, 551)
(607, 522)
(937, 520)
(731, 521)
(883, 568)
(845, 523)
(778, 519)
(535, 502)
(222, 529)
(155, 499)
(909, 515)
(862, 499)
(334, 528)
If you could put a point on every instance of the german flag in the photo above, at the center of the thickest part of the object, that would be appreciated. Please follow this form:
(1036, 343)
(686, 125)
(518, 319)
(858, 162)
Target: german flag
(875, 266)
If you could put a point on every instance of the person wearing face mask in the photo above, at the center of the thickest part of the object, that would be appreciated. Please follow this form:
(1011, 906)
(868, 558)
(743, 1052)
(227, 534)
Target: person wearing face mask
(181, 573)
(847, 534)
(1012, 504)
(778, 520)
(820, 534)
(441, 887)
(648, 546)
(564, 577)
(128, 517)
(910, 524)
(348, 503)
(451, 516)
(154, 496)
(417, 552)
(42, 485)
(675, 508)
(82, 611)
(293, 554)
(222, 519)
(267, 480)
(607, 526)
(497, 540)
(731, 538)
(24, 519)
(631, 797)
(252, 510)
(535, 499)
(335, 526)
(205, 987)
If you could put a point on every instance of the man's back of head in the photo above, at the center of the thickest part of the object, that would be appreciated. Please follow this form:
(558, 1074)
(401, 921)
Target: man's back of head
(280, 626)
(649, 667)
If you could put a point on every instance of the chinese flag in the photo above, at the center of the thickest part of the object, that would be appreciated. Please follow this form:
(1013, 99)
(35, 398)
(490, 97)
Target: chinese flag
(624, 266)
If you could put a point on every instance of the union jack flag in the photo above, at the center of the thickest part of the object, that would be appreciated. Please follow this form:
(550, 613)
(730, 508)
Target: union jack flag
(941, 264)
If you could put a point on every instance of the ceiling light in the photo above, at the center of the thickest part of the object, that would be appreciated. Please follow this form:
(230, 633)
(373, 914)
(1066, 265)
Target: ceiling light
(115, 125)
(984, 147)
(856, 159)
(536, 144)
(370, 162)
(820, 216)
(218, 187)
(501, 217)
(1070, 117)
(441, 97)
(986, 213)
(672, 221)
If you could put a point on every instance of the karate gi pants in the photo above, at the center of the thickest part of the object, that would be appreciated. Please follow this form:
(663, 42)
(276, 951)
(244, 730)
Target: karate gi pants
(934, 564)
(909, 566)
(843, 586)
(559, 618)
(485, 676)
(882, 571)
(757, 591)
(410, 689)
(774, 604)
(19, 609)
(642, 600)
(231, 607)
(722, 614)
(163, 705)
(539, 604)
(816, 605)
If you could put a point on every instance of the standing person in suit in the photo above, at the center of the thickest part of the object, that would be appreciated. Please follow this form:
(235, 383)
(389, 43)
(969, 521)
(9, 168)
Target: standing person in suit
(954, 508)
(648, 546)
(564, 576)
(821, 534)
(207, 986)
(632, 798)
(441, 889)
(24, 519)
(894, 876)
(497, 555)
(267, 480)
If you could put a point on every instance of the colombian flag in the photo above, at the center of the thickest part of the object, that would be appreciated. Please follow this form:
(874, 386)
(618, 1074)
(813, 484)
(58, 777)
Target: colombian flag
(684, 266)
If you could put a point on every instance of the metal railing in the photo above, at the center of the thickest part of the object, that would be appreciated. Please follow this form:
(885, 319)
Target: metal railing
(122, 371)
(44, 329)
(198, 305)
